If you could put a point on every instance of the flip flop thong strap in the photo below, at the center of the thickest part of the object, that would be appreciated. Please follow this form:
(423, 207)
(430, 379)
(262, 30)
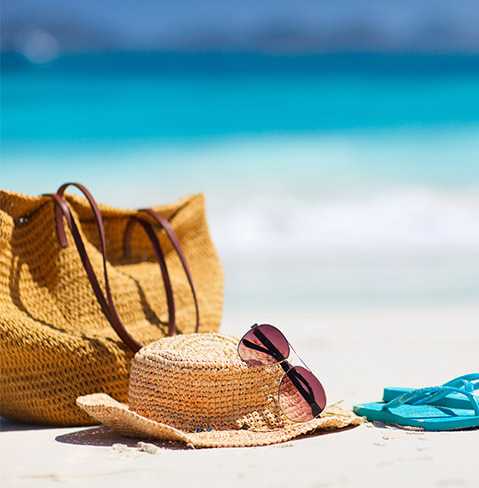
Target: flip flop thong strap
(468, 381)
(433, 392)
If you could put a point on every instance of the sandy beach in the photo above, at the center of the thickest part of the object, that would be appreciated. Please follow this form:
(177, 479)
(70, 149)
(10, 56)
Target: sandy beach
(341, 194)
(355, 353)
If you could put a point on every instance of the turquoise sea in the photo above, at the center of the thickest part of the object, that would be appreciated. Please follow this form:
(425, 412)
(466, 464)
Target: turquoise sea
(348, 179)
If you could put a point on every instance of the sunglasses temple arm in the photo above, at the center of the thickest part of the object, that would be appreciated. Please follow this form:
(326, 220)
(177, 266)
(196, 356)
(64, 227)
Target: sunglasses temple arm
(314, 406)
(273, 351)
(307, 395)
(298, 356)
(292, 375)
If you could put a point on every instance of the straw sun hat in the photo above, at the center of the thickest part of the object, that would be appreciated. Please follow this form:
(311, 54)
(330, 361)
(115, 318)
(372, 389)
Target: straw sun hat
(195, 389)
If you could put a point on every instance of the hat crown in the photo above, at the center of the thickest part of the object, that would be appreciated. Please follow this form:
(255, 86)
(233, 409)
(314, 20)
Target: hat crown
(198, 382)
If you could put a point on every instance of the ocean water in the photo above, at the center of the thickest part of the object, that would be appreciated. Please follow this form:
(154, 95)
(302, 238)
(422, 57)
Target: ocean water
(342, 180)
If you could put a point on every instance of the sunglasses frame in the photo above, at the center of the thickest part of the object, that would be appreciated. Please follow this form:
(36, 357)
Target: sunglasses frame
(299, 382)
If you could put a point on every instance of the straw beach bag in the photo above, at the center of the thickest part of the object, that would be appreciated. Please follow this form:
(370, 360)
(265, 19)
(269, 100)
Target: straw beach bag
(83, 287)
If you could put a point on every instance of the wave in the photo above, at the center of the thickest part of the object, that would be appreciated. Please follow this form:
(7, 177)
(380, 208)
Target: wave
(396, 220)
(401, 192)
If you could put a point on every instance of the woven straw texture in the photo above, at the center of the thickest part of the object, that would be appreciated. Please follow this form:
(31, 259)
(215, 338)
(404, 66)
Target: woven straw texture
(55, 343)
(196, 390)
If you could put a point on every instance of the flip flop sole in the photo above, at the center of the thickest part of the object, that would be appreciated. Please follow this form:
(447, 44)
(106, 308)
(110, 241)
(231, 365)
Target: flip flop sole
(427, 417)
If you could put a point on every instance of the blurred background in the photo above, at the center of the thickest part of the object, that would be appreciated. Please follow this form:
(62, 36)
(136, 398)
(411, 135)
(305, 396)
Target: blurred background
(337, 142)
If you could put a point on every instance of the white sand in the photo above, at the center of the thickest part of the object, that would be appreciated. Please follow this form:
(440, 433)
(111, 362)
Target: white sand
(355, 354)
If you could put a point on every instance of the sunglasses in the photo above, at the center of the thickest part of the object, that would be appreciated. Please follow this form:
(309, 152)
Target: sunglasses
(301, 395)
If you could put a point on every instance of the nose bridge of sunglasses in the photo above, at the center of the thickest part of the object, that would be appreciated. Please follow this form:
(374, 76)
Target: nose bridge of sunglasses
(285, 365)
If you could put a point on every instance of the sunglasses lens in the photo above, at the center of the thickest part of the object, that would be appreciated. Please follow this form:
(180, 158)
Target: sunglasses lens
(263, 345)
(301, 395)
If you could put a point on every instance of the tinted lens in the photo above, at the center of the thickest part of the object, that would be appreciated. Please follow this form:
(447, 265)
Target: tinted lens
(263, 344)
(301, 395)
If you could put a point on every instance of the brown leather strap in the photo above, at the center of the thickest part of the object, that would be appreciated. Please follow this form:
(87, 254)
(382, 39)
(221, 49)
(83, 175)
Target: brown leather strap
(115, 320)
(166, 225)
(65, 213)
(62, 212)
(160, 257)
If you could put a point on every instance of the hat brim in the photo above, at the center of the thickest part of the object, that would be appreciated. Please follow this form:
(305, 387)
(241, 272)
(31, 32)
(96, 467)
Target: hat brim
(121, 419)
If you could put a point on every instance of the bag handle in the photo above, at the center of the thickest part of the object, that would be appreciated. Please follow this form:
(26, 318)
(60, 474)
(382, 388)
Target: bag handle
(168, 228)
(160, 257)
(62, 213)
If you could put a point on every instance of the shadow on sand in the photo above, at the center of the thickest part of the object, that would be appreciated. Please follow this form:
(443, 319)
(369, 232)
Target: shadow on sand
(103, 436)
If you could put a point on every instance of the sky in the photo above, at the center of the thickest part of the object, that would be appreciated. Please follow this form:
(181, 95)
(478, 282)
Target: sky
(271, 25)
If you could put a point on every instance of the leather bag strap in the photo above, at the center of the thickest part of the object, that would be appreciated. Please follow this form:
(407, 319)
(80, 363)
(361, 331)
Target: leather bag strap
(160, 257)
(105, 300)
(165, 224)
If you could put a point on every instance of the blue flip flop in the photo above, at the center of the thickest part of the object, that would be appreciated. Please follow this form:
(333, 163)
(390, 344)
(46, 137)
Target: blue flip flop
(468, 382)
(408, 410)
